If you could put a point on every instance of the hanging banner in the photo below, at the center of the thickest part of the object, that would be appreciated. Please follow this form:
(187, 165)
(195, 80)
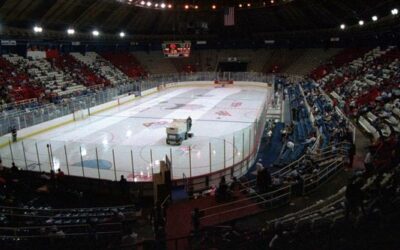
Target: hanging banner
(8, 43)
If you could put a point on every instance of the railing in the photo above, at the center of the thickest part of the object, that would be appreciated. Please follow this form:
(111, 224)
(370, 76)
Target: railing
(68, 230)
(284, 194)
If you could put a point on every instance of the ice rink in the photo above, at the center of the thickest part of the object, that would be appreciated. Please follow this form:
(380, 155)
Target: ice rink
(131, 138)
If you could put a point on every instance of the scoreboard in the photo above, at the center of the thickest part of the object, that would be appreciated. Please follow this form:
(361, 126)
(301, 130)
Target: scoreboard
(176, 49)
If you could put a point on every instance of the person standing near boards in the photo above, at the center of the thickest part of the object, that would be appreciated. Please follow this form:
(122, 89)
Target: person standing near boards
(14, 134)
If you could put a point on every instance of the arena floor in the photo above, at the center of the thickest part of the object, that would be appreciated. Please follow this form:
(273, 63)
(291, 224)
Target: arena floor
(130, 137)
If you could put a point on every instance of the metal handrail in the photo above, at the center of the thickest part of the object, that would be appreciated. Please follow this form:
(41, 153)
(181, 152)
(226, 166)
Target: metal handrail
(319, 176)
(63, 209)
(247, 198)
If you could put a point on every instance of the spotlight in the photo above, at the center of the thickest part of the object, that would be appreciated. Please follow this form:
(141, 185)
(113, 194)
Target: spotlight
(240, 5)
(122, 34)
(374, 18)
(395, 11)
(249, 5)
(361, 22)
(169, 6)
(148, 4)
(196, 7)
(214, 6)
(186, 7)
(163, 5)
(343, 26)
(70, 31)
(95, 33)
(37, 29)
(142, 2)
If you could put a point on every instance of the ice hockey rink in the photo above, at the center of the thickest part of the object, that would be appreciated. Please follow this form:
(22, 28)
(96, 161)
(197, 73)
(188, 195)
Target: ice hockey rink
(131, 138)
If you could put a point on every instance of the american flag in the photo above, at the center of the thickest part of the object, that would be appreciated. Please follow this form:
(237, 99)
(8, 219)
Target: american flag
(229, 16)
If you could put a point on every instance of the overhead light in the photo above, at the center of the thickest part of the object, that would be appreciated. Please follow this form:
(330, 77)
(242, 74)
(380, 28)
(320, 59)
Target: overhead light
(169, 6)
(70, 31)
(249, 5)
(343, 26)
(122, 34)
(148, 4)
(214, 6)
(361, 22)
(95, 33)
(196, 7)
(163, 5)
(395, 11)
(37, 29)
(240, 5)
(156, 5)
(374, 18)
(142, 2)
(186, 7)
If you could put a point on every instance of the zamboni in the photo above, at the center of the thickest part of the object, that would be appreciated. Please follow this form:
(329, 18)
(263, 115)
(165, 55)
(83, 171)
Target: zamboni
(178, 131)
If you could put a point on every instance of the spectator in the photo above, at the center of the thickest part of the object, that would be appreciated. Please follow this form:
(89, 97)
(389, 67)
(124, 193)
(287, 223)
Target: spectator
(123, 184)
(196, 219)
(235, 184)
(354, 197)
(290, 145)
(368, 163)
(1, 166)
(128, 240)
(60, 174)
(14, 170)
(222, 191)
(352, 152)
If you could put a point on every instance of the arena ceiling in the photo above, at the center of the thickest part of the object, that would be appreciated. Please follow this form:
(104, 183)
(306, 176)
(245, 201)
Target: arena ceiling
(111, 16)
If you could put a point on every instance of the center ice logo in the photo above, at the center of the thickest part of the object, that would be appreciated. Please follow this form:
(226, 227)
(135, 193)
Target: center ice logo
(184, 150)
(185, 106)
(236, 104)
(156, 125)
(223, 113)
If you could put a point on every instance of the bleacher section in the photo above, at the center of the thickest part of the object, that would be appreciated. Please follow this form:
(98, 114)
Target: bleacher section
(102, 67)
(368, 89)
(15, 83)
(300, 129)
(154, 62)
(310, 59)
(54, 81)
(126, 62)
(79, 72)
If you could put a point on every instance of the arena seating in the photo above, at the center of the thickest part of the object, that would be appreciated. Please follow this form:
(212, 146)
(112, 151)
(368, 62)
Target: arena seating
(327, 223)
(126, 62)
(368, 90)
(81, 73)
(309, 60)
(300, 129)
(36, 208)
(55, 81)
(16, 84)
(101, 67)
(343, 57)
(154, 62)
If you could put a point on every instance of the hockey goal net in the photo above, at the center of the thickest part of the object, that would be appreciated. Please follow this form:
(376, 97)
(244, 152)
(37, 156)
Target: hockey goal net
(222, 83)
(80, 114)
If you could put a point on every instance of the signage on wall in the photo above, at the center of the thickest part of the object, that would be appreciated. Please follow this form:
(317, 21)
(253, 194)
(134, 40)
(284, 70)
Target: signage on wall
(8, 42)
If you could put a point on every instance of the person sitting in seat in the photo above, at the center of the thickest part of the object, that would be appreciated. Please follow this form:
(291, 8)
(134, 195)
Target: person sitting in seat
(222, 190)
(290, 145)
